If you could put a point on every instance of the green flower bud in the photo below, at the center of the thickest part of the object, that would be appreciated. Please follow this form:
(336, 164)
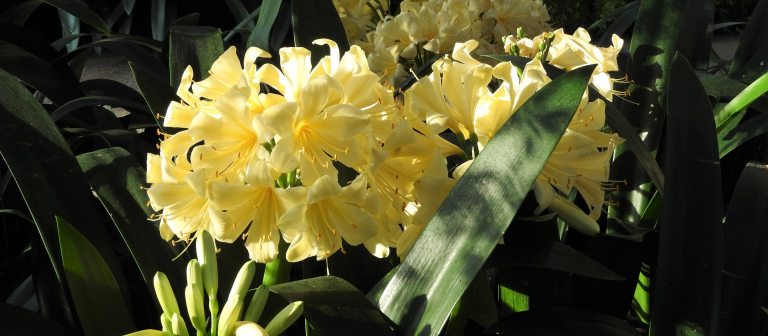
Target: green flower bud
(206, 255)
(165, 321)
(256, 307)
(193, 295)
(165, 295)
(230, 314)
(285, 318)
(234, 305)
(178, 327)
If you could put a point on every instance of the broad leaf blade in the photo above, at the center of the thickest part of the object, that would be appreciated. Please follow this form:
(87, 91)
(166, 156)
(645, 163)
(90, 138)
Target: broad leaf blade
(688, 272)
(39, 159)
(197, 46)
(98, 301)
(335, 307)
(745, 283)
(117, 179)
(424, 289)
(563, 322)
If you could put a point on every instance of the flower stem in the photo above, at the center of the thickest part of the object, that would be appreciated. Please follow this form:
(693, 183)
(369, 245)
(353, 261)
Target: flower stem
(213, 306)
(279, 270)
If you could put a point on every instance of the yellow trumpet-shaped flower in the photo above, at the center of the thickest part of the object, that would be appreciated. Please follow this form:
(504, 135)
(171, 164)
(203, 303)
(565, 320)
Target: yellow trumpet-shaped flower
(255, 203)
(325, 214)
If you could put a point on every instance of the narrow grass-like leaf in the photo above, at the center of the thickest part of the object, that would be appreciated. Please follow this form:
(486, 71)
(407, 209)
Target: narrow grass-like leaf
(39, 159)
(243, 23)
(654, 39)
(745, 259)
(690, 246)
(335, 307)
(751, 93)
(128, 6)
(260, 35)
(197, 46)
(37, 73)
(100, 306)
(751, 41)
(82, 12)
(317, 19)
(425, 288)
(117, 179)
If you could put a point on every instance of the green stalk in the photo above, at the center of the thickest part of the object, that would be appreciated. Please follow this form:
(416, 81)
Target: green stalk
(213, 306)
(279, 270)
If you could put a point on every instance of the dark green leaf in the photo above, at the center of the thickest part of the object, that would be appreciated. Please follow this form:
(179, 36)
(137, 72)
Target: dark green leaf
(427, 285)
(193, 46)
(82, 12)
(695, 40)
(654, 39)
(239, 12)
(156, 92)
(314, 20)
(245, 23)
(690, 247)
(620, 25)
(480, 301)
(642, 154)
(17, 321)
(117, 179)
(563, 322)
(20, 12)
(100, 306)
(37, 73)
(755, 67)
(748, 130)
(334, 307)
(538, 253)
(745, 284)
(752, 39)
(157, 19)
(79, 103)
(615, 14)
(260, 35)
(39, 159)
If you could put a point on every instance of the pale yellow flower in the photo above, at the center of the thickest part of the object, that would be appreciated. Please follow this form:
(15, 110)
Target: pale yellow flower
(325, 214)
(254, 201)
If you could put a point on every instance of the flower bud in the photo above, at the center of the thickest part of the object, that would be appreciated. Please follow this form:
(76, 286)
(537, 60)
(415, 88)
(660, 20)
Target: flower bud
(164, 294)
(206, 255)
(178, 327)
(229, 314)
(193, 295)
(256, 307)
(285, 318)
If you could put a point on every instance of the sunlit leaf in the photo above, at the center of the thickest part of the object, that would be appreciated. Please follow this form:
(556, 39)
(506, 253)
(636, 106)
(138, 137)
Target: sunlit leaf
(425, 288)
(98, 301)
